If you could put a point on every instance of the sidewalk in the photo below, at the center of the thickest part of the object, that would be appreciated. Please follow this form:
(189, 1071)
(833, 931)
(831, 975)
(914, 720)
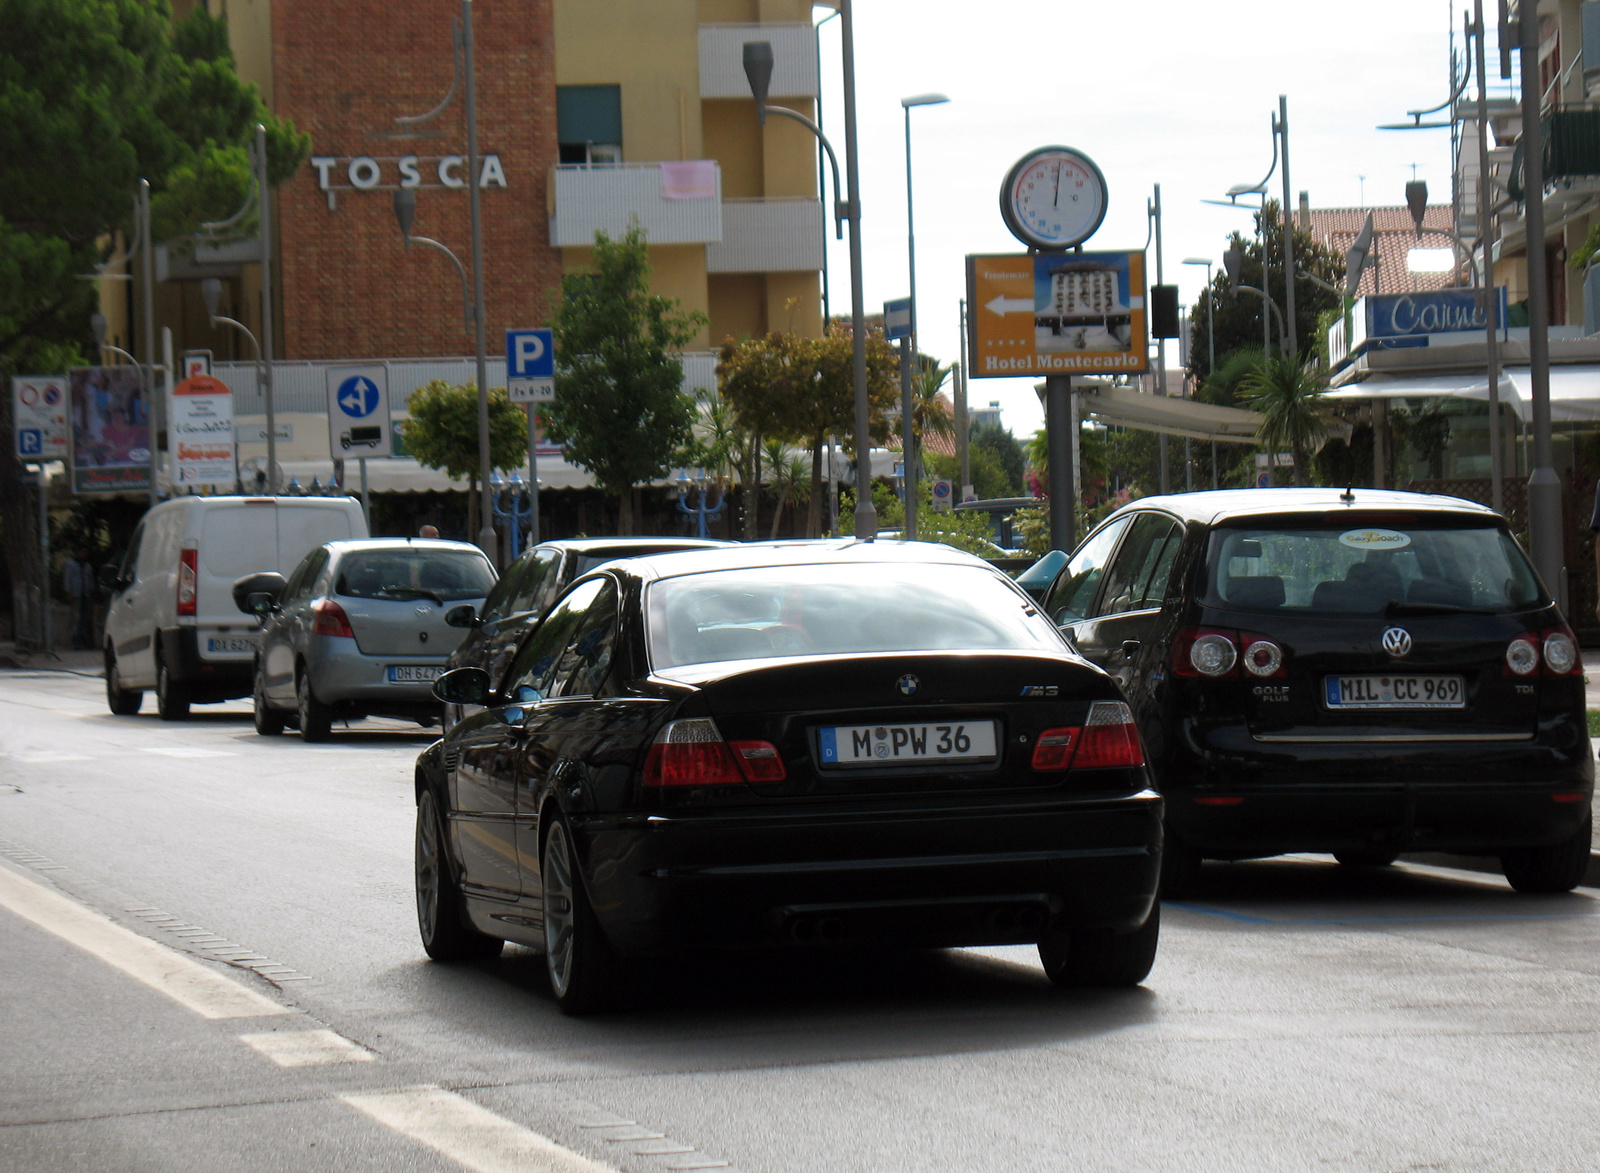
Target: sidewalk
(84, 663)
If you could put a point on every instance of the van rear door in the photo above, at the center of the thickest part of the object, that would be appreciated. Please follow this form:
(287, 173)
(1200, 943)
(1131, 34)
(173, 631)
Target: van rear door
(237, 537)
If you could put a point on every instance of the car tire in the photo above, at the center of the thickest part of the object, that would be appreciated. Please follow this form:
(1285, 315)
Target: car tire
(269, 721)
(582, 968)
(316, 718)
(446, 933)
(172, 697)
(1557, 868)
(123, 702)
(1366, 859)
(1180, 867)
(1091, 958)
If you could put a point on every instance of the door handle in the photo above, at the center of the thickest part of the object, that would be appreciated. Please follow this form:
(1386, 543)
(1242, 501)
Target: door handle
(1130, 648)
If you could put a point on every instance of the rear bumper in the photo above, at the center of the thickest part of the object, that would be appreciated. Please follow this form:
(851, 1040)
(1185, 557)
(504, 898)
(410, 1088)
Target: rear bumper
(208, 680)
(352, 681)
(937, 877)
(1464, 797)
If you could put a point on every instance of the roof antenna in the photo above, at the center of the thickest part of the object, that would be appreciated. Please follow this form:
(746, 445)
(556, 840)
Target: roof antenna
(1349, 495)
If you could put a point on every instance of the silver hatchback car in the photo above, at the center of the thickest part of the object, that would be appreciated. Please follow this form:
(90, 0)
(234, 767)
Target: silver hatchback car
(360, 628)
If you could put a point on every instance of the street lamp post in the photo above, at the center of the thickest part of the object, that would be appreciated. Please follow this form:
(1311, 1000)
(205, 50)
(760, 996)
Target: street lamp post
(211, 293)
(912, 464)
(1211, 342)
(758, 63)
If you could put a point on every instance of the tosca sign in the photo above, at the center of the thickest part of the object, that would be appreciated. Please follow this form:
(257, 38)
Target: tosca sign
(370, 173)
(1444, 311)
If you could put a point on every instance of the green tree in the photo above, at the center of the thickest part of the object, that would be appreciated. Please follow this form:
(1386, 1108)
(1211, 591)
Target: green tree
(620, 407)
(443, 433)
(94, 95)
(789, 479)
(930, 413)
(1007, 452)
(1294, 416)
(1238, 315)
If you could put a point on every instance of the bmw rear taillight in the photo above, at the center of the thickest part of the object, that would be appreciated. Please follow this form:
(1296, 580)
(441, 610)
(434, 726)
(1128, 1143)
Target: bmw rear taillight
(1199, 651)
(758, 761)
(188, 580)
(330, 619)
(1108, 739)
(691, 753)
(1522, 655)
(1560, 652)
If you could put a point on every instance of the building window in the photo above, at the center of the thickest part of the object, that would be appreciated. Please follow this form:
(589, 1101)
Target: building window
(589, 124)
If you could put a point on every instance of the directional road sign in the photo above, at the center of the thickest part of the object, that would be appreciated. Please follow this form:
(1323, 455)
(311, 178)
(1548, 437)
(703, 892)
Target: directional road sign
(897, 318)
(531, 365)
(1058, 313)
(358, 412)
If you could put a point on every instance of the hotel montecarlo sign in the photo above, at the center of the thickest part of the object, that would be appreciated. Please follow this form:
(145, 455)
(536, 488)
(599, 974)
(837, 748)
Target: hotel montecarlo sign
(387, 172)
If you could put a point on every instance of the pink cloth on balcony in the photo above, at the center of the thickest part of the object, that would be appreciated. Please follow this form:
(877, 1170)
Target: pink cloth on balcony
(692, 179)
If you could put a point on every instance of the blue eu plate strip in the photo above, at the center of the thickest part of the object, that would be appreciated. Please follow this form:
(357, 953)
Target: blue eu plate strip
(830, 745)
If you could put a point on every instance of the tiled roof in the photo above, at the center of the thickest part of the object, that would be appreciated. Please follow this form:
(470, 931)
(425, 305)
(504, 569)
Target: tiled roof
(1394, 234)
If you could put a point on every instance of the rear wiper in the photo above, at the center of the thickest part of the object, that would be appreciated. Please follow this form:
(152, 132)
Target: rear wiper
(1396, 608)
(411, 593)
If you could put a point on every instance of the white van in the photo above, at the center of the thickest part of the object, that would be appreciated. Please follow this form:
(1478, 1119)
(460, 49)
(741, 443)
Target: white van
(172, 624)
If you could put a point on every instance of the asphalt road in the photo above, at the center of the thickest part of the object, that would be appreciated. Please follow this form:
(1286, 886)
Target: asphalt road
(1299, 1015)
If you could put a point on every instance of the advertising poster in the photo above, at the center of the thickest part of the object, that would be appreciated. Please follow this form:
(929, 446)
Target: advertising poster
(1057, 313)
(110, 431)
(202, 432)
(39, 415)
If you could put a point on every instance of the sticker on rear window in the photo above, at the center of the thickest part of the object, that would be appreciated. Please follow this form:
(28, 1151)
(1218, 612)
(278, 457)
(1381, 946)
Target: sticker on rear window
(1374, 539)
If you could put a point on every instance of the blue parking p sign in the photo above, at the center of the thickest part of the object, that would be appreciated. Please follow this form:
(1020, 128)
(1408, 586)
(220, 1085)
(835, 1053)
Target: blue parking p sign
(531, 365)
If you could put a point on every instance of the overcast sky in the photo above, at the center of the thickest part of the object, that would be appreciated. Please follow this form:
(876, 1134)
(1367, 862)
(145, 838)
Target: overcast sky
(1175, 92)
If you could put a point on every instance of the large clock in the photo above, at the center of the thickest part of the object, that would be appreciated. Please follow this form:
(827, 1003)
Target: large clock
(1053, 198)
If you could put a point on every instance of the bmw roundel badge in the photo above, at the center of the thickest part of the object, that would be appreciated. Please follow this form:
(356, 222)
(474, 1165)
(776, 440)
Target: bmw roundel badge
(908, 685)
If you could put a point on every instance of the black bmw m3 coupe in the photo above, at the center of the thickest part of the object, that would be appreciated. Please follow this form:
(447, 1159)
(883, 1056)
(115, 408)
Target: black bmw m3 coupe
(789, 746)
(1362, 673)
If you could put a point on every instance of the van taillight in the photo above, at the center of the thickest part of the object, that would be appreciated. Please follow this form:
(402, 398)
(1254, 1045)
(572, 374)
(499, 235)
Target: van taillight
(692, 753)
(330, 619)
(1107, 740)
(188, 585)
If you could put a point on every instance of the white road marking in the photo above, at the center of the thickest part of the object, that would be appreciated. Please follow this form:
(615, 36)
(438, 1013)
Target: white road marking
(469, 1135)
(44, 756)
(307, 1048)
(187, 751)
(186, 982)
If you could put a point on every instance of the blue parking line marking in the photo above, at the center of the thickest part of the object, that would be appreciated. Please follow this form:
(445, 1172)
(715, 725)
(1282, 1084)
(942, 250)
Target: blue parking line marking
(1248, 919)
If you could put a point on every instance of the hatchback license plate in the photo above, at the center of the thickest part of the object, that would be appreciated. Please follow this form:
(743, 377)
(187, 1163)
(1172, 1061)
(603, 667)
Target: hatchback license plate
(1396, 692)
(880, 745)
(413, 673)
(236, 644)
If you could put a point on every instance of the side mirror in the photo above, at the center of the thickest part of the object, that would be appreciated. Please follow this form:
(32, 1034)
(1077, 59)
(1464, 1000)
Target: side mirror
(249, 591)
(463, 686)
(111, 578)
(465, 615)
(1037, 578)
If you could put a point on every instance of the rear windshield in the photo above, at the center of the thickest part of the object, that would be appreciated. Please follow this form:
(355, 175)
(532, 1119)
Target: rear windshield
(442, 575)
(765, 612)
(1369, 569)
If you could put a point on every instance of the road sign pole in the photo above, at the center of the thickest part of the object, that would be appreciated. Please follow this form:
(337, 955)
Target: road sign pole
(533, 475)
(1063, 505)
(907, 439)
(44, 554)
(366, 502)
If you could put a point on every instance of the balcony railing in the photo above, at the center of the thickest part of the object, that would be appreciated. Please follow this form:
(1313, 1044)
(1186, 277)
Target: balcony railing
(768, 236)
(794, 53)
(1571, 149)
(609, 198)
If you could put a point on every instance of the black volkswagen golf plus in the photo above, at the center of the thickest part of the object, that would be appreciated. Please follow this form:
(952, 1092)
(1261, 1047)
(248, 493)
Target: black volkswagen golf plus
(1355, 672)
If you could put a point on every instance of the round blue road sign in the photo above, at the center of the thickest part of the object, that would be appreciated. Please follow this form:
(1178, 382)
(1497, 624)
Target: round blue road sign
(358, 397)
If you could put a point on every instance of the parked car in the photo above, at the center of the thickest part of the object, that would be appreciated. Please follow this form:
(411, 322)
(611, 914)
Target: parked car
(534, 581)
(360, 628)
(794, 746)
(1361, 672)
(171, 625)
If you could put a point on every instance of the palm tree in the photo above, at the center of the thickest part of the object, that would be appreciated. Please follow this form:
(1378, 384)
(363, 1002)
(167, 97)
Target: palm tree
(1288, 394)
(791, 479)
(929, 413)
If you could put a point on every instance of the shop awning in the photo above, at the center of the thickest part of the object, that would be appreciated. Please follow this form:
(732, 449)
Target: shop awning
(1574, 390)
(1125, 407)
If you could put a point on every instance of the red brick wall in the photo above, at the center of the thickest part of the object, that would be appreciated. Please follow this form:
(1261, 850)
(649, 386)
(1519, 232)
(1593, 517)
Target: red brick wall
(343, 70)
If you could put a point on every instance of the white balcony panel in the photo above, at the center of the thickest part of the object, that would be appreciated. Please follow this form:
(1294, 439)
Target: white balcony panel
(768, 236)
(794, 59)
(608, 198)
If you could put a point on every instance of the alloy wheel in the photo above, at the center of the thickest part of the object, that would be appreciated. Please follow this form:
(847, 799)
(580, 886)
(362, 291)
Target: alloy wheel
(559, 921)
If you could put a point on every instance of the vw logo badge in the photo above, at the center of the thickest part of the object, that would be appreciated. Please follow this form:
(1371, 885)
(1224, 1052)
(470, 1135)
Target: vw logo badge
(908, 685)
(1397, 641)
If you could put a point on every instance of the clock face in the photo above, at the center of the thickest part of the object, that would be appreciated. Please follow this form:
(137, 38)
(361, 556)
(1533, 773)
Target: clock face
(1053, 198)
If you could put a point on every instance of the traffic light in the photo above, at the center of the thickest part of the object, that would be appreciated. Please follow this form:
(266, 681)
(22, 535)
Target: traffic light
(1164, 311)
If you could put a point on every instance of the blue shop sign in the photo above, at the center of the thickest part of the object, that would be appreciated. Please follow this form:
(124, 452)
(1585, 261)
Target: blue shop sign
(1444, 311)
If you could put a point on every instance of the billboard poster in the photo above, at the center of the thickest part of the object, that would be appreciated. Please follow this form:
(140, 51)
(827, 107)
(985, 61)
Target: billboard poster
(202, 432)
(110, 430)
(39, 417)
(1057, 313)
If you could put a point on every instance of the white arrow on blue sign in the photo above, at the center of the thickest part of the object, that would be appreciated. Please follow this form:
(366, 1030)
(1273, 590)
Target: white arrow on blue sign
(358, 397)
(531, 365)
(897, 318)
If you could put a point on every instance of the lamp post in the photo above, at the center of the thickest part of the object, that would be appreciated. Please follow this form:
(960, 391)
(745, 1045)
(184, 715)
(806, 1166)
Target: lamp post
(1211, 342)
(758, 63)
(912, 463)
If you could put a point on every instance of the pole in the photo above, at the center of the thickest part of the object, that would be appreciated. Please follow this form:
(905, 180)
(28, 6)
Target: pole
(266, 307)
(486, 535)
(147, 297)
(822, 193)
(366, 501)
(1211, 354)
(1063, 500)
(963, 455)
(1290, 348)
(866, 514)
(1161, 346)
(907, 439)
(533, 475)
(1491, 302)
(44, 554)
(1544, 489)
